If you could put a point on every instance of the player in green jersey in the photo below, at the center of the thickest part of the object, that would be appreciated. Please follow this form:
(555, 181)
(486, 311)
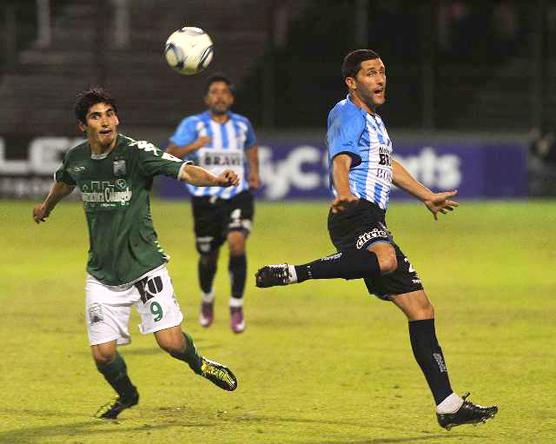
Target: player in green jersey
(126, 266)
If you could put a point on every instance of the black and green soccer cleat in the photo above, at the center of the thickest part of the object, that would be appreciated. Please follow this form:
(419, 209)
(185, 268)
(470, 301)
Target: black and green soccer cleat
(468, 413)
(112, 409)
(218, 374)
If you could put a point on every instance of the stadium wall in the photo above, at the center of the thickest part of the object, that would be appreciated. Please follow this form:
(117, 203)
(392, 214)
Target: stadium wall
(294, 166)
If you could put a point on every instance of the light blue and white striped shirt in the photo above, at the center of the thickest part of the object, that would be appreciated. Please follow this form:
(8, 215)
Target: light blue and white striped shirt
(226, 149)
(363, 136)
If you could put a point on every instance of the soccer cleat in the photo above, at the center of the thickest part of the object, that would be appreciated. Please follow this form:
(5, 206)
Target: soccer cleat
(206, 314)
(272, 275)
(237, 321)
(468, 413)
(112, 409)
(218, 374)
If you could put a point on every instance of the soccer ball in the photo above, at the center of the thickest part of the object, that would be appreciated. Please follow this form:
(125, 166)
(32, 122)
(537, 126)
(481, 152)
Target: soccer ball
(188, 50)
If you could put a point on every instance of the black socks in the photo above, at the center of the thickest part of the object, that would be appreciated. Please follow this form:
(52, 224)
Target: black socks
(115, 374)
(348, 265)
(428, 355)
(207, 271)
(237, 267)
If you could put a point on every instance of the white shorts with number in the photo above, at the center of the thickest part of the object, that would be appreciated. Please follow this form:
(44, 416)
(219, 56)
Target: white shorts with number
(108, 308)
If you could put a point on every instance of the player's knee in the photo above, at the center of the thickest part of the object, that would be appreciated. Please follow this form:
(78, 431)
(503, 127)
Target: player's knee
(236, 244)
(103, 356)
(388, 263)
(423, 310)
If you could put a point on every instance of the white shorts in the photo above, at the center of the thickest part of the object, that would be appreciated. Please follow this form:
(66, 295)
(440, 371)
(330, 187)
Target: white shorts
(108, 308)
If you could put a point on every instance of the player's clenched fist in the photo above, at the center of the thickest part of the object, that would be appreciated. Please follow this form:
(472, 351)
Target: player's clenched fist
(228, 178)
(40, 213)
(343, 202)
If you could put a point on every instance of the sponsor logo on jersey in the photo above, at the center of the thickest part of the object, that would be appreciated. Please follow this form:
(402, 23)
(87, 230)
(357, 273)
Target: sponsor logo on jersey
(106, 194)
(369, 235)
(76, 170)
(213, 158)
(119, 168)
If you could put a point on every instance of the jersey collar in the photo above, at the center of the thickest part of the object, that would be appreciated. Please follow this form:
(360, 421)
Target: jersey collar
(361, 110)
(119, 141)
(208, 115)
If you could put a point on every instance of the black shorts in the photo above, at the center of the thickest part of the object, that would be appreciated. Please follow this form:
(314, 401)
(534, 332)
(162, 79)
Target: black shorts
(214, 218)
(361, 226)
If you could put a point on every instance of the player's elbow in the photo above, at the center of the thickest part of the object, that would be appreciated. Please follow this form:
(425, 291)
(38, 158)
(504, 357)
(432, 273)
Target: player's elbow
(388, 263)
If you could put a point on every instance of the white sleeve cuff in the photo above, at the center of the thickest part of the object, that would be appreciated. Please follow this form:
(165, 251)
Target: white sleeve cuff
(187, 162)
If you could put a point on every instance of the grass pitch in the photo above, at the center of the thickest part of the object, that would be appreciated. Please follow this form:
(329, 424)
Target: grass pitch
(320, 362)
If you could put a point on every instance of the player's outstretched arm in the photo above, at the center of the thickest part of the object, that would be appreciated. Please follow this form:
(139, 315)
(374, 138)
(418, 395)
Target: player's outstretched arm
(435, 202)
(181, 151)
(202, 178)
(58, 191)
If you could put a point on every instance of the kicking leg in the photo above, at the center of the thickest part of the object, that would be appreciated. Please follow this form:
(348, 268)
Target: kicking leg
(112, 366)
(378, 259)
(237, 268)
(180, 345)
(451, 409)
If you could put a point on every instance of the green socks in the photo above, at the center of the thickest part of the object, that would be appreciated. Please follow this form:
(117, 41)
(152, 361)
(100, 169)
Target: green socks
(115, 374)
(189, 355)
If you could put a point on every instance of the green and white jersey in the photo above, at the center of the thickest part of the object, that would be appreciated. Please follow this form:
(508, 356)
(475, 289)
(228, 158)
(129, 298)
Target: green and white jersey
(115, 190)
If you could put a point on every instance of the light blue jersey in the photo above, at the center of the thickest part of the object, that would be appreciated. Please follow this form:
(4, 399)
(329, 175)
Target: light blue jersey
(363, 136)
(226, 149)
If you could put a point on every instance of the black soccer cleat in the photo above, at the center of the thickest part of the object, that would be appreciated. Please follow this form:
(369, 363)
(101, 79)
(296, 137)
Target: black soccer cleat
(218, 374)
(468, 413)
(116, 406)
(272, 275)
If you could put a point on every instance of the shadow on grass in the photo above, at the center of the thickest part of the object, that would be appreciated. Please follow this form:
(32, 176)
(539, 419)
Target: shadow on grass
(76, 430)
(427, 436)
(167, 417)
(280, 419)
(442, 437)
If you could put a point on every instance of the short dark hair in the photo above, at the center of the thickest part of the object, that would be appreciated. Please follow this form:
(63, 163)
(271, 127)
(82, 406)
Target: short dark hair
(352, 62)
(219, 78)
(89, 97)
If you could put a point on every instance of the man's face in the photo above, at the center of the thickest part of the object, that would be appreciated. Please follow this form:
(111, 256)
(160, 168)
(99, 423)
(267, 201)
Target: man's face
(102, 124)
(369, 83)
(219, 98)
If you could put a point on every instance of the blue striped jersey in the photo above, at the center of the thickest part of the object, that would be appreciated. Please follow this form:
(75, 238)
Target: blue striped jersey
(225, 150)
(363, 136)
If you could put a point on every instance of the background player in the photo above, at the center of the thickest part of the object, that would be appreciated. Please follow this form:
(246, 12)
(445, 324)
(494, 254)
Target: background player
(218, 139)
(126, 266)
(363, 171)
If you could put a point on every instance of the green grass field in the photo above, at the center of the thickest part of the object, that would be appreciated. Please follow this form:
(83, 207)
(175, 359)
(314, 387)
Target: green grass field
(321, 362)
